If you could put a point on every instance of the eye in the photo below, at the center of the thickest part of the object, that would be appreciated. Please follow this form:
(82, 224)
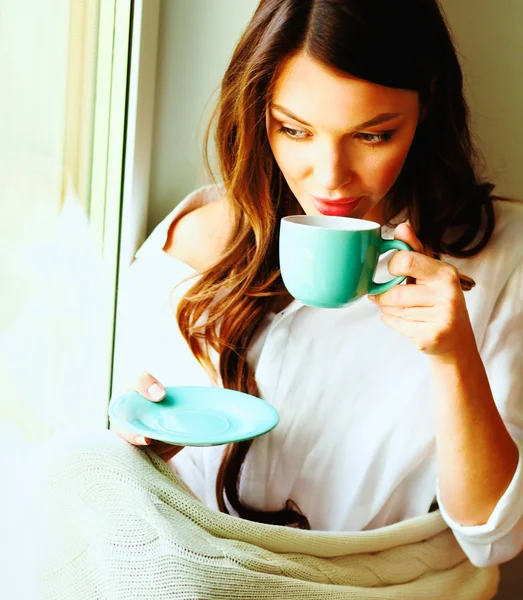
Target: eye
(376, 138)
(293, 134)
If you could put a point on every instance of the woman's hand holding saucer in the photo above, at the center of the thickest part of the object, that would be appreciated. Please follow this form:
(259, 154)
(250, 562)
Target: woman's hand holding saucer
(151, 389)
(432, 312)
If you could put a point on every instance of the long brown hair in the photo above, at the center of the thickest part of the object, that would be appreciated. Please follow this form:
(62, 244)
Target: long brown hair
(405, 45)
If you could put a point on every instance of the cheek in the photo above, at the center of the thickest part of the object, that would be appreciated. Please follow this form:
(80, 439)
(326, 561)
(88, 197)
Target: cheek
(382, 171)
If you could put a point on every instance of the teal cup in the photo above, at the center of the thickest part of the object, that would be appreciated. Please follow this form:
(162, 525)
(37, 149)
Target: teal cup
(329, 262)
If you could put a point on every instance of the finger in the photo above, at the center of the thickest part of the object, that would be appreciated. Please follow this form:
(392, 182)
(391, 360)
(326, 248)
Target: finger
(415, 314)
(147, 385)
(405, 296)
(418, 266)
(132, 438)
(405, 233)
(411, 329)
(164, 450)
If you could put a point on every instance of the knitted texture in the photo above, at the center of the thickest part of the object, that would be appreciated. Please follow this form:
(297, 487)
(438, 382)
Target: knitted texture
(119, 525)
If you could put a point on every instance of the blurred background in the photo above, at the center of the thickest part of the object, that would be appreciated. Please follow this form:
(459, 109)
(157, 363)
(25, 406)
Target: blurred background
(102, 113)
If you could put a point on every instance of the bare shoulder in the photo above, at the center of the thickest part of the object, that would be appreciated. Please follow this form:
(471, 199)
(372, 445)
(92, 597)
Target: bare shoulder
(200, 237)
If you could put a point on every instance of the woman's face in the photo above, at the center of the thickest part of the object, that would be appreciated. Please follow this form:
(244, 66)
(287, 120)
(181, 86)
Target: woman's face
(339, 141)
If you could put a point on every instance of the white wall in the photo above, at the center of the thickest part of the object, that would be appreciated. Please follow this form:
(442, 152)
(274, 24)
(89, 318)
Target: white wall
(489, 37)
(196, 40)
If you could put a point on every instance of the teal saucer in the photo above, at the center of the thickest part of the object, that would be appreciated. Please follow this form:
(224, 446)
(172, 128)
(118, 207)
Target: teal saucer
(194, 416)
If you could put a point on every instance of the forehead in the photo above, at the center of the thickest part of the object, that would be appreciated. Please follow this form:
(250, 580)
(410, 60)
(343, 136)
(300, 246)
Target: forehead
(322, 96)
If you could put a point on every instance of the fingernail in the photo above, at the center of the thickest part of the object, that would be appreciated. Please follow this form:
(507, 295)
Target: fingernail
(141, 441)
(156, 392)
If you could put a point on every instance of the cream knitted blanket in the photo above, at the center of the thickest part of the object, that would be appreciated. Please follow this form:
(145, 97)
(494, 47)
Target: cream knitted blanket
(118, 524)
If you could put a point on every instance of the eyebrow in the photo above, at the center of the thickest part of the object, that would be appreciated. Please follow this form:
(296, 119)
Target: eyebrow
(377, 120)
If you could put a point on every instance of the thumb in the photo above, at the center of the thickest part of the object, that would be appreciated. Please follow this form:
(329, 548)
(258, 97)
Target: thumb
(146, 385)
(405, 233)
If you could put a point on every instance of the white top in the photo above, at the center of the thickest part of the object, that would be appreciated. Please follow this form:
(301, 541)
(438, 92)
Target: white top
(355, 447)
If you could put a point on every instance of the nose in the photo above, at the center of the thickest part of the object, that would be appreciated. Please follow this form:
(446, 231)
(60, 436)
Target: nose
(333, 170)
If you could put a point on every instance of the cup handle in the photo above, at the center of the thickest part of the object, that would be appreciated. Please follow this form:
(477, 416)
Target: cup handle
(385, 246)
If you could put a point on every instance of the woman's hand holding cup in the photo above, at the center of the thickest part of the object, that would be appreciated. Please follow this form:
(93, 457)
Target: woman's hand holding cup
(151, 389)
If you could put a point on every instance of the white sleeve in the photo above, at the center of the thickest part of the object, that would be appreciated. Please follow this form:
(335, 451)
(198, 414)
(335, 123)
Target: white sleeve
(501, 538)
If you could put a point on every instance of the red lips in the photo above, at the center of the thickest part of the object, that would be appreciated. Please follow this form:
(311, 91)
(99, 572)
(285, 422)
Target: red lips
(338, 207)
(336, 200)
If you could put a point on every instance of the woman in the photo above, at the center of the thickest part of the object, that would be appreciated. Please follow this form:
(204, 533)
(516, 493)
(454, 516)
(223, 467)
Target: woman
(352, 108)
